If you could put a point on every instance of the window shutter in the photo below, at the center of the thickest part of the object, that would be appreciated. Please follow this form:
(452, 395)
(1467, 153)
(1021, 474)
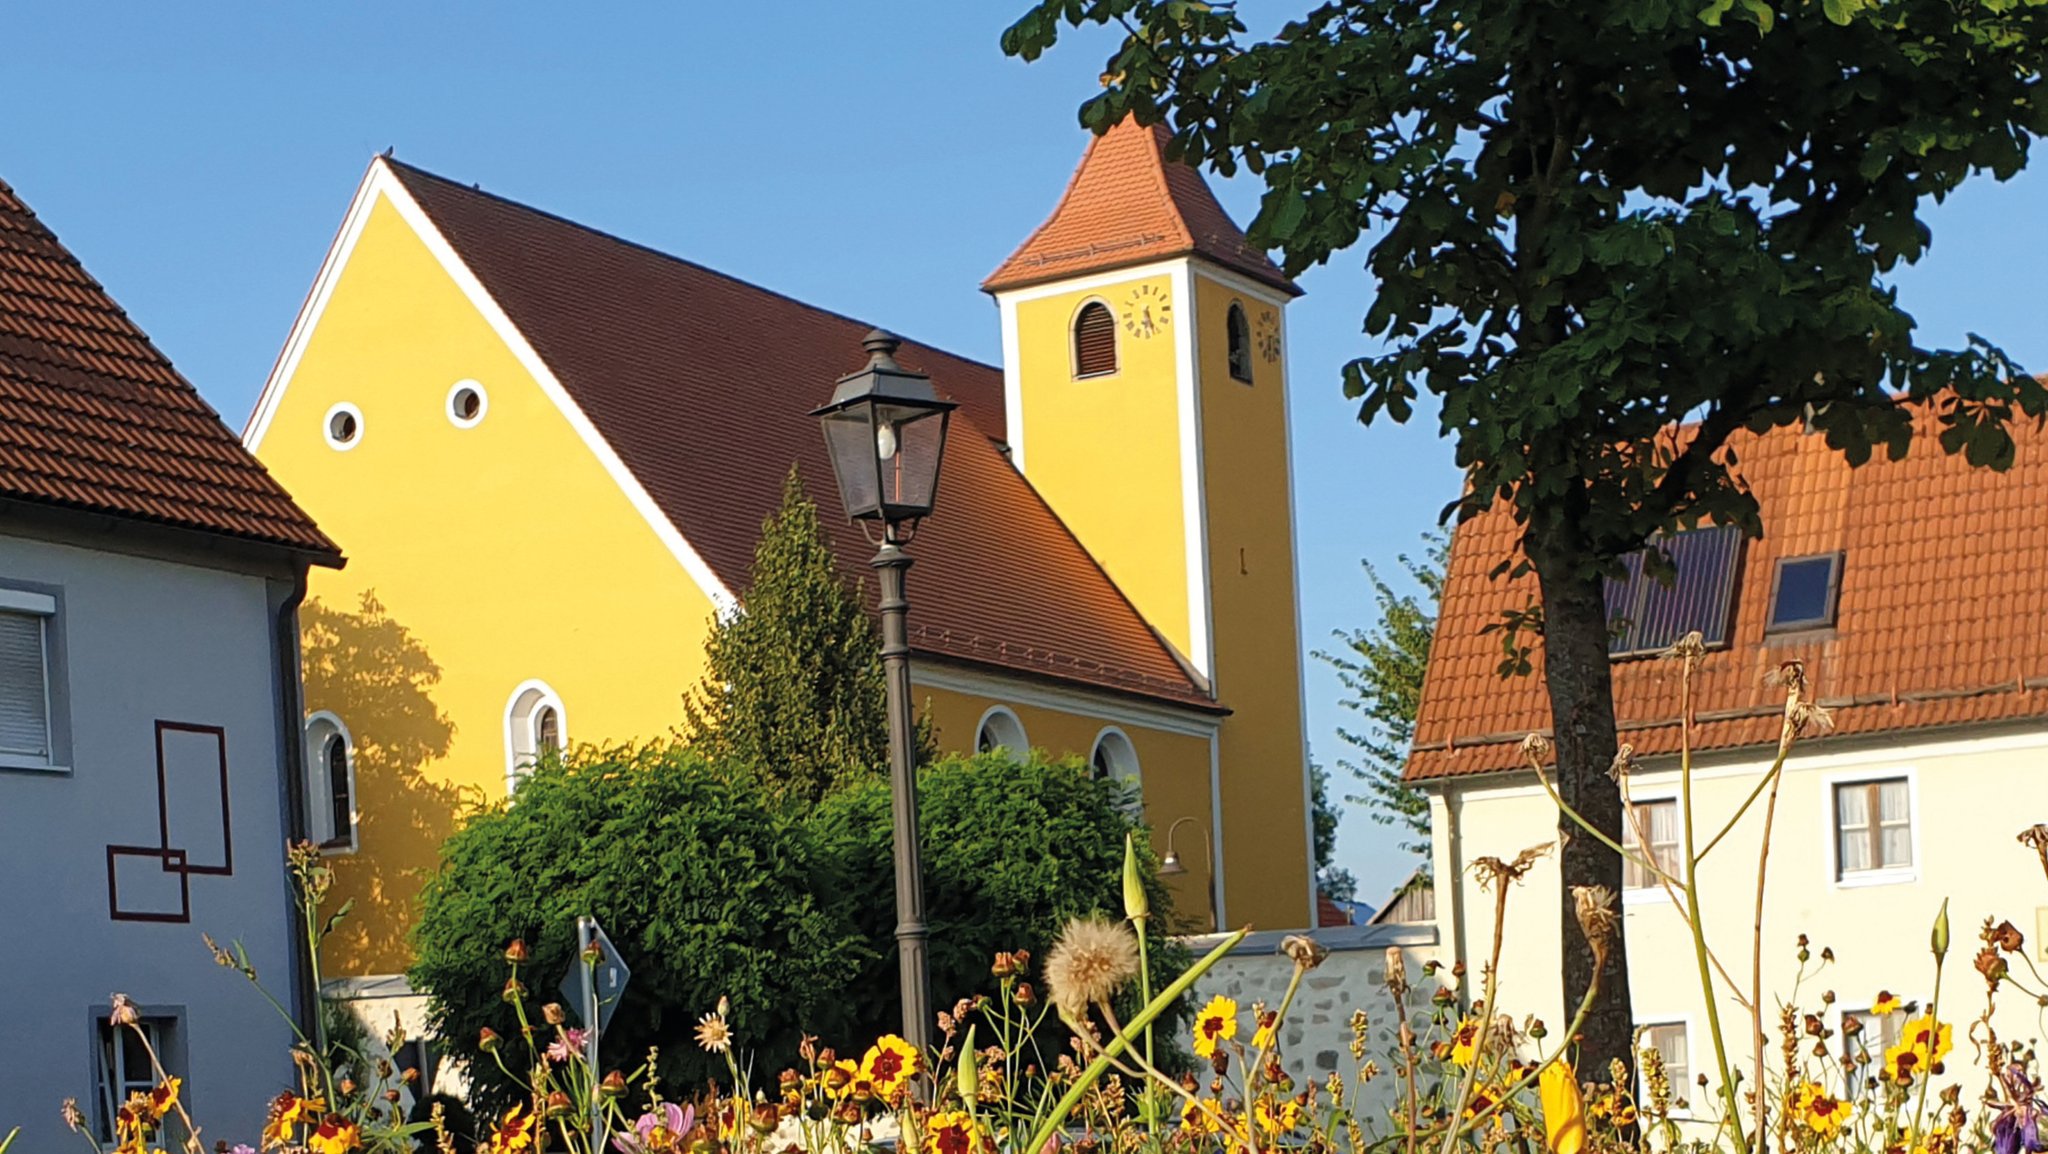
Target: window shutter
(1094, 341)
(24, 689)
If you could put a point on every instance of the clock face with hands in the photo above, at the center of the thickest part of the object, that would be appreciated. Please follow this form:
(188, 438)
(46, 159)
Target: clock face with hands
(1266, 337)
(1147, 311)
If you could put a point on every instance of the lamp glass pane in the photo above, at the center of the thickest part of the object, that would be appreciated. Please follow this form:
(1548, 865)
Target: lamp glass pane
(851, 441)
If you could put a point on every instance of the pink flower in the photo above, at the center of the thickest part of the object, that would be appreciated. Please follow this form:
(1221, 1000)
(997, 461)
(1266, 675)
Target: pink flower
(569, 1045)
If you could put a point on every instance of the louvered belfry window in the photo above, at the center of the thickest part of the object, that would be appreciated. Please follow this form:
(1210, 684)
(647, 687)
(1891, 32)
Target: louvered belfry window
(1094, 341)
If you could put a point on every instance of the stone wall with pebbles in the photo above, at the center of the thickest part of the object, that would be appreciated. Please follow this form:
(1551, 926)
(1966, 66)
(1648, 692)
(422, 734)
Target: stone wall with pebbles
(1316, 1038)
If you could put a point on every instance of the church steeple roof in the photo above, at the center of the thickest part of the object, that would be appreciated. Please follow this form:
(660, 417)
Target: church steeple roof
(1128, 204)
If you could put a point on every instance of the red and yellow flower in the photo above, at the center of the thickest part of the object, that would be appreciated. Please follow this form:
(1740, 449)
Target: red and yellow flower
(1923, 1043)
(1465, 1043)
(287, 1111)
(889, 1064)
(514, 1131)
(955, 1132)
(335, 1135)
(1215, 1024)
(1885, 1003)
(1813, 1107)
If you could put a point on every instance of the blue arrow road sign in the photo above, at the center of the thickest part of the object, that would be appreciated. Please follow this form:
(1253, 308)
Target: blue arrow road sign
(599, 986)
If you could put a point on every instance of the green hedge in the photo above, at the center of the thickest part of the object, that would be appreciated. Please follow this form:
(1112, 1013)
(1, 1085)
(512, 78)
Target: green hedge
(710, 886)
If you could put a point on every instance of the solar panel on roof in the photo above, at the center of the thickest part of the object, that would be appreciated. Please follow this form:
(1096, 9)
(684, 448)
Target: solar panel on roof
(1652, 614)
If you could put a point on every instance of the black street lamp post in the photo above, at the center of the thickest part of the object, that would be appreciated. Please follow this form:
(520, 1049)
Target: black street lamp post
(885, 428)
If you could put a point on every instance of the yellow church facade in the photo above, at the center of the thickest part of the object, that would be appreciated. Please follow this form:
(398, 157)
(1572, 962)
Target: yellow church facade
(549, 469)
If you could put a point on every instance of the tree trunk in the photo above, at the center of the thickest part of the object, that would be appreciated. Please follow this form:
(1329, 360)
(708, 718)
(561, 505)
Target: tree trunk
(1577, 673)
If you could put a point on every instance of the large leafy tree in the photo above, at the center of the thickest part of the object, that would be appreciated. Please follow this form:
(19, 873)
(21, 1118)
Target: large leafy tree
(793, 686)
(1381, 668)
(1608, 235)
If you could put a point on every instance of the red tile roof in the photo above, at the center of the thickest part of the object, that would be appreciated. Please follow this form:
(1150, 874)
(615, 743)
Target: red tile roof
(1939, 622)
(93, 418)
(1128, 204)
(703, 385)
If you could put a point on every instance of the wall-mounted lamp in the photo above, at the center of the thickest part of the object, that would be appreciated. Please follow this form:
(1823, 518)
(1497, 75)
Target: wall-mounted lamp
(1171, 866)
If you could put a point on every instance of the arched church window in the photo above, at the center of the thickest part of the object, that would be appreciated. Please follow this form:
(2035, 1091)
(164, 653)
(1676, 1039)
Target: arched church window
(1239, 332)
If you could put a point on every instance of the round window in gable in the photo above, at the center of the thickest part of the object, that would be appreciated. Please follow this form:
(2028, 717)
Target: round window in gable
(467, 404)
(343, 427)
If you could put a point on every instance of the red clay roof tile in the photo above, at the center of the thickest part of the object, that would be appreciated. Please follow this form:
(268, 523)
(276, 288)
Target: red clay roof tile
(1938, 621)
(94, 418)
(1128, 204)
(703, 385)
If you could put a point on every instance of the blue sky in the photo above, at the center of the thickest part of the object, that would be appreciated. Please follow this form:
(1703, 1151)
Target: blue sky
(874, 159)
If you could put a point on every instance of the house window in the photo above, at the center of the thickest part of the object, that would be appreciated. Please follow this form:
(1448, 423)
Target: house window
(331, 781)
(1865, 1038)
(27, 735)
(1646, 615)
(1658, 819)
(122, 1066)
(1094, 340)
(1803, 592)
(1669, 1041)
(1001, 732)
(1873, 827)
(1239, 332)
(535, 725)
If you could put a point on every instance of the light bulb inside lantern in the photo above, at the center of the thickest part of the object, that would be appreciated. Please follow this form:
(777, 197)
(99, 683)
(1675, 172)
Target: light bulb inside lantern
(885, 442)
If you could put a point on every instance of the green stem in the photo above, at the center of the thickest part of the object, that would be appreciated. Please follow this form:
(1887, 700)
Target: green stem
(1121, 1041)
(1933, 1038)
(1731, 1102)
(1149, 1104)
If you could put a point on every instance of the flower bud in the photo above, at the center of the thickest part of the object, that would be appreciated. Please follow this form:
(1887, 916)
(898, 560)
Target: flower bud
(516, 951)
(1306, 952)
(613, 1086)
(124, 1012)
(513, 990)
(1397, 969)
(1025, 994)
(554, 1014)
(487, 1040)
(593, 954)
(965, 1081)
(1939, 939)
(1136, 906)
(560, 1103)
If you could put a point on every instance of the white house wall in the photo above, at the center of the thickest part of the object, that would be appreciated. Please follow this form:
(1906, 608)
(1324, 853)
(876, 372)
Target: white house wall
(1970, 798)
(146, 641)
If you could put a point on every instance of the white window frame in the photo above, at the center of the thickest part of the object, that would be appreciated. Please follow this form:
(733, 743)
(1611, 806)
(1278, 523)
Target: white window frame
(483, 404)
(1654, 892)
(1124, 765)
(327, 426)
(1001, 715)
(1690, 1090)
(43, 606)
(320, 788)
(520, 710)
(1832, 859)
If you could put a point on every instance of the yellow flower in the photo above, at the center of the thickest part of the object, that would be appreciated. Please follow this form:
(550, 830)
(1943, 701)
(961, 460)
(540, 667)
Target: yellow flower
(1564, 1111)
(1820, 1111)
(1202, 1115)
(287, 1110)
(1277, 1120)
(955, 1132)
(1465, 1043)
(1886, 1003)
(1923, 1043)
(1216, 1022)
(890, 1064)
(513, 1133)
(334, 1135)
(163, 1098)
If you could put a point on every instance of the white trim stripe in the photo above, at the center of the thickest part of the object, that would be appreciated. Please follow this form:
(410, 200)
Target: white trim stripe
(930, 674)
(1194, 498)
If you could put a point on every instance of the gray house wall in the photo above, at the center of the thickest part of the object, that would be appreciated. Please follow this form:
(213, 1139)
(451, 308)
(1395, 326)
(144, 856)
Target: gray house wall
(154, 652)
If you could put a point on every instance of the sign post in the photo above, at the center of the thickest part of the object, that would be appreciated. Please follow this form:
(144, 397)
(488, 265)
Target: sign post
(596, 979)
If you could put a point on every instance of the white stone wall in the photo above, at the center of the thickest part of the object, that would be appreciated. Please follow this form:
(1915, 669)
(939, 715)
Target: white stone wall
(1316, 1038)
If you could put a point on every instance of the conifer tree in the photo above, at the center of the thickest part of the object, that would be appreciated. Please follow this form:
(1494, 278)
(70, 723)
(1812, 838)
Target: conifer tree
(794, 685)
